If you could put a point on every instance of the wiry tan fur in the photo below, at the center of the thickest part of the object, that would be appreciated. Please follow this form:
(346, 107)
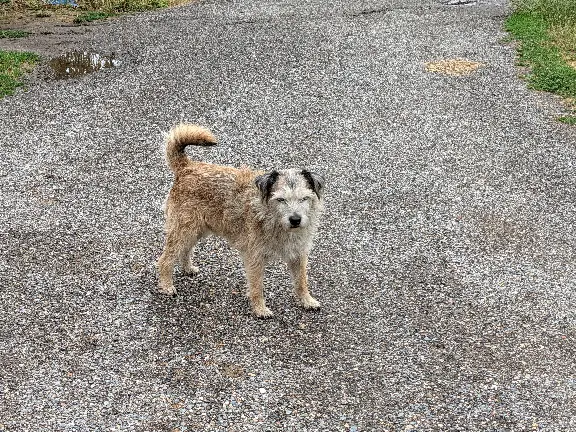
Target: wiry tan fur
(255, 211)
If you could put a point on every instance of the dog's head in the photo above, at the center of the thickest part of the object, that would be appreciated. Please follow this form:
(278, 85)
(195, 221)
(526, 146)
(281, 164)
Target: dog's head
(293, 195)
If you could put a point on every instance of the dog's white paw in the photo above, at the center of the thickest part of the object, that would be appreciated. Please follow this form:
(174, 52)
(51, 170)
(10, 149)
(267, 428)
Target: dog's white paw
(309, 302)
(189, 268)
(167, 289)
(262, 312)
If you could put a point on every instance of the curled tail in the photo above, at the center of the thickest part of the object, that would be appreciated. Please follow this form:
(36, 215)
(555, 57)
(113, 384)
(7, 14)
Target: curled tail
(181, 136)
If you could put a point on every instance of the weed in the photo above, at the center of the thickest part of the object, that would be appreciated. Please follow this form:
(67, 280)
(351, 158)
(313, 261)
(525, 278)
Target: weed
(550, 72)
(12, 66)
(551, 10)
(546, 30)
(91, 16)
(26, 4)
(13, 34)
(101, 9)
(89, 10)
(124, 5)
(569, 119)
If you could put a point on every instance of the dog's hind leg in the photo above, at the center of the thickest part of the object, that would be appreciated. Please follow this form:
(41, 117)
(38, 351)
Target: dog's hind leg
(187, 262)
(186, 258)
(172, 252)
(300, 279)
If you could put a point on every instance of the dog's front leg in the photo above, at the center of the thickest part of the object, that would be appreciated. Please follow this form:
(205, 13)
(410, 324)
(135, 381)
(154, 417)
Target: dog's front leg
(300, 279)
(255, 275)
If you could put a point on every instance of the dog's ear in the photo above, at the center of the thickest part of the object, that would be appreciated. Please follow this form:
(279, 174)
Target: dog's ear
(315, 182)
(265, 182)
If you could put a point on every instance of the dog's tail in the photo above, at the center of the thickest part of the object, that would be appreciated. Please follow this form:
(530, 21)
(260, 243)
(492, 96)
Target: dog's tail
(181, 136)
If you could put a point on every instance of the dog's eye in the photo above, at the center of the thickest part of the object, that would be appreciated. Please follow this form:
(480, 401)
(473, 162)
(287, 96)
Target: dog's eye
(304, 199)
(280, 200)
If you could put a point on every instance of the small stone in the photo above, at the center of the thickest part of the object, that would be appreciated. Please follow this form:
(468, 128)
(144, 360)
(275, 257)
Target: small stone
(262, 390)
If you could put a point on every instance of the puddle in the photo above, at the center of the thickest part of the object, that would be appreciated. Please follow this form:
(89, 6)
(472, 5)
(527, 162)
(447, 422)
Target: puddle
(75, 64)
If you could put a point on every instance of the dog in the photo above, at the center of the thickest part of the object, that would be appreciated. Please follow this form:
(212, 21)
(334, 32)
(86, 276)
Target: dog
(267, 216)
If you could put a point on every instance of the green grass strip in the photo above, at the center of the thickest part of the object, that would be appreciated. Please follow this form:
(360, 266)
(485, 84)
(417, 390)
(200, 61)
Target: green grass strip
(549, 70)
(556, 11)
(569, 119)
(106, 9)
(13, 34)
(92, 16)
(12, 66)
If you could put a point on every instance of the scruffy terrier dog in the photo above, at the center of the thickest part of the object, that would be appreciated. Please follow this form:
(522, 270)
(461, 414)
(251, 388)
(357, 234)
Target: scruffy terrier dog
(266, 216)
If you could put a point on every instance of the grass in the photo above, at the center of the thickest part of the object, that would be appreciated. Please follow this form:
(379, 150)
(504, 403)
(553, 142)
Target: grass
(100, 9)
(12, 34)
(12, 66)
(124, 5)
(569, 119)
(87, 10)
(546, 30)
(92, 16)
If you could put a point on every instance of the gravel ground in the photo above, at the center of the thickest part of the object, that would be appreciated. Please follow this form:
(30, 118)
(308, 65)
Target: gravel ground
(445, 263)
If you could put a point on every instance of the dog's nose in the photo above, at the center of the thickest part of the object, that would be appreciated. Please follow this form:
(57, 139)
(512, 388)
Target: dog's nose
(294, 220)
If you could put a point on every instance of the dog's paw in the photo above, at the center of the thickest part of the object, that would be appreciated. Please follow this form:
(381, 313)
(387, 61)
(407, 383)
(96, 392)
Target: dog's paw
(190, 268)
(262, 312)
(167, 290)
(309, 302)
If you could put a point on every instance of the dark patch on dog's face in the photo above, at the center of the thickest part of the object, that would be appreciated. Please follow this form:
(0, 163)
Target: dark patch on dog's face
(266, 182)
(315, 181)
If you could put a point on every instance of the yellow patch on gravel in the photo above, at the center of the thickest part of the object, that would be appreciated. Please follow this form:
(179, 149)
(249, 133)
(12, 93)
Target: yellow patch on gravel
(453, 66)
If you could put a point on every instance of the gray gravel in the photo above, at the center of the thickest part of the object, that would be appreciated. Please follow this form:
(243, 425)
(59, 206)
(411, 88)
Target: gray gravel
(445, 263)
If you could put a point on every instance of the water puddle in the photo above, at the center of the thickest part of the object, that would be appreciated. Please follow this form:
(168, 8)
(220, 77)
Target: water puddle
(77, 63)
